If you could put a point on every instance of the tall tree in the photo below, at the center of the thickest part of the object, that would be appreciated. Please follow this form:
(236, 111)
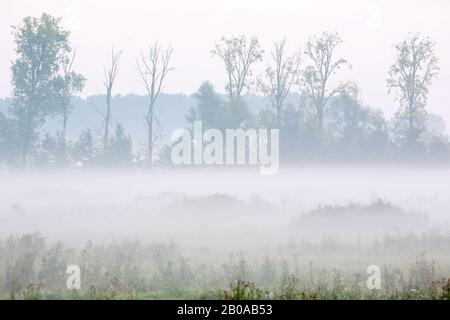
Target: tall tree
(153, 69)
(209, 108)
(320, 51)
(110, 77)
(238, 54)
(41, 44)
(67, 85)
(280, 78)
(410, 76)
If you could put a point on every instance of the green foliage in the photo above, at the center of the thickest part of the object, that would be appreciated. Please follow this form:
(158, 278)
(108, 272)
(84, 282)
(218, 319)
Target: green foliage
(84, 150)
(19, 258)
(357, 131)
(289, 289)
(120, 148)
(268, 272)
(32, 269)
(317, 123)
(242, 290)
(217, 113)
(410, 77)
(50, 150)
(41, 45)
(320, 51)
(209, 108)
(8, 140)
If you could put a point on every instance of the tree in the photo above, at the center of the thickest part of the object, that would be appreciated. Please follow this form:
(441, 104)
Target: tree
(49, 150)
(280, 78)
(84, 149)
(411, 76)
(238, 55)
(67, 85)
(110, 77)
(435, 124)
(8, 139)
(358, 130)
(209, 108)
(120, 147)
(41, 44)
(347, 115)
(320, 51)
(153, 69)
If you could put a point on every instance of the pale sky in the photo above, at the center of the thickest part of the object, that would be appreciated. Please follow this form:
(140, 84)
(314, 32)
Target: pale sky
(369, 30)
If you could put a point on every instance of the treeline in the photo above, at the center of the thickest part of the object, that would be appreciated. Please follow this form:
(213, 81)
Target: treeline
(318, 121)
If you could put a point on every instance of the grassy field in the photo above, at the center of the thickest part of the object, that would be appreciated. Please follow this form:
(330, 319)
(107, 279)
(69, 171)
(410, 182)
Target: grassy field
(31, 268)
(288, 238)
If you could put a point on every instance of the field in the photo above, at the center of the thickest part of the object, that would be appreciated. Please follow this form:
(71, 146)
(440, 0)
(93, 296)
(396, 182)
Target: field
(226, 235)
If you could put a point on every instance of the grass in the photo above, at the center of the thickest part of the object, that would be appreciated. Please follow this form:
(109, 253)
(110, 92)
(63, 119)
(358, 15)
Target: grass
(32, 269)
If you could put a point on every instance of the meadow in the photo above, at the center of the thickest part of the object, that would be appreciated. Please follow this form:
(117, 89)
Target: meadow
(164, 236)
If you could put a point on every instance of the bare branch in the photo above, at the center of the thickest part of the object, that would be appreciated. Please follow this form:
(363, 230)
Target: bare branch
(153, 69)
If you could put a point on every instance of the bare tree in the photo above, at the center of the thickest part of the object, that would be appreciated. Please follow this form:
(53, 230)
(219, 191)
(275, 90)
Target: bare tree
(153, 69)
(280, 78)
(411, 75)
(320, 50)
(110, 77)
(238, 56)
(68, 84)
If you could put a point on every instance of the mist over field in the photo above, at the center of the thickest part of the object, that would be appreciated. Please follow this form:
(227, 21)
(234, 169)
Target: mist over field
(207, 206)
(226, 225)
(300, 152)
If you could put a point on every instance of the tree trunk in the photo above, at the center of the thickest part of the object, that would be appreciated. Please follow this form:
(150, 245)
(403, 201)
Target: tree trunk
(320, 119)
(63, 136)
(150, 136)
(107, 118)
(412, 134)
(279, 116)
(27, 136)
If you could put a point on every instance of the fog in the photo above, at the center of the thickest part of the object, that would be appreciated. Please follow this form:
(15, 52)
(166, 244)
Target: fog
(224, 150)
(157, 231)
(205, 205)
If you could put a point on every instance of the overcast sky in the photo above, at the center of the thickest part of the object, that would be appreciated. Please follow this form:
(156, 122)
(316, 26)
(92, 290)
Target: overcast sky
(369, 30)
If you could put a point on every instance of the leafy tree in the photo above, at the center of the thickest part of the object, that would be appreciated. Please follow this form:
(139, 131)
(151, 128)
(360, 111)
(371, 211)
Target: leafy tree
(235, 114)
(238, 55)
(49, 150)
(120, 148)
(8, 139)
(358, 130)
(290, 134)
(375, 142)
(216, 113)
(41, 45)
(410, 77)
(209, 108)
(320, 51)
(437, 146)
(84, 150)
(435, 124)
(280, 78)
(265, 118)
